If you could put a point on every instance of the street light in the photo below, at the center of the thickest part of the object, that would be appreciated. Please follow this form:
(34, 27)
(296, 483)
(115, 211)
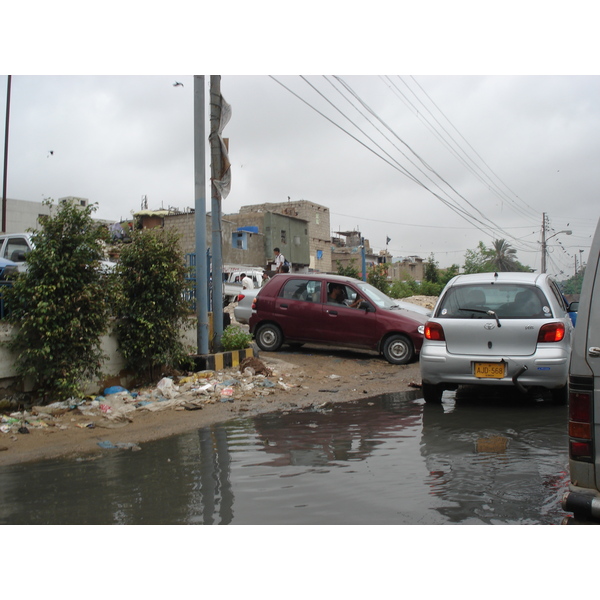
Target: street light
(545, 242)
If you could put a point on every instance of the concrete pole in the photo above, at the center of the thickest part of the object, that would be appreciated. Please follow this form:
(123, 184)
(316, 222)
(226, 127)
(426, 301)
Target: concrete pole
(216, 172)
(202, 274)
(543, 242)
(4, 177)
(363, 255)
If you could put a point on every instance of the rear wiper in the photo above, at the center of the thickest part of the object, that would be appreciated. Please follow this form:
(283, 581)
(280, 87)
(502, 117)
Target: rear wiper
(491, 313)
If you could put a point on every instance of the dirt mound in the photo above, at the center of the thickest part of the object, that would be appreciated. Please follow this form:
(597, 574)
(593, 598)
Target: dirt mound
(426, 301)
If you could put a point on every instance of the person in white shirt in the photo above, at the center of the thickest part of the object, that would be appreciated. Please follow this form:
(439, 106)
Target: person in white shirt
(279, 260)
(247, 283)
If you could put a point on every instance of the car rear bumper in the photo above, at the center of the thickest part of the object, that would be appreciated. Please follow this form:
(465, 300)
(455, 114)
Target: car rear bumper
(547, 368)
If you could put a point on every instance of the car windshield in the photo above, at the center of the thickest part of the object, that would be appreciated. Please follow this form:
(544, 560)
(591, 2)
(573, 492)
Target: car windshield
(376, 296)
(503, 300)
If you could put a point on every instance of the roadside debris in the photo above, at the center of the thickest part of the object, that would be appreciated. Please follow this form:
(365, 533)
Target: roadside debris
(117, 406)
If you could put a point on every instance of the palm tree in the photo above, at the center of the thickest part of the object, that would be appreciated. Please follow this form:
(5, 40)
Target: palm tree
(503, 257)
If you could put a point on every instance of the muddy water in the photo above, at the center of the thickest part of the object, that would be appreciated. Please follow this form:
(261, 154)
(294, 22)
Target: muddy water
(385, 460)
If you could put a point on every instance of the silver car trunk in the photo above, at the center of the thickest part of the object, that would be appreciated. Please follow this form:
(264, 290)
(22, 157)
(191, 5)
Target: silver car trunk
(515, 337)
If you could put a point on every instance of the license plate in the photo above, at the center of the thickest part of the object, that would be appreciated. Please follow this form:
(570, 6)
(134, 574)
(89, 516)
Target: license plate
(489, 370)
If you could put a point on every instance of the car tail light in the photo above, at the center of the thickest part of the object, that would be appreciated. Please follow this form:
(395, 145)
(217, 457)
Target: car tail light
(240, 297)
(580, 425)
(434, 331)
(551, 332)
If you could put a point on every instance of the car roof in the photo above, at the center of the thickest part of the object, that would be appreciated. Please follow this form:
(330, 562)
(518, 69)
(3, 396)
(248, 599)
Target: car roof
(317, 276)
(500, 277)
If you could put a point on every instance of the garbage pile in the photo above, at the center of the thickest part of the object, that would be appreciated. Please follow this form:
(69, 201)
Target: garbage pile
(118, 405)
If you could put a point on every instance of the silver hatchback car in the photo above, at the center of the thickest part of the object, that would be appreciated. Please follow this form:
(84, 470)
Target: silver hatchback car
(507, 329)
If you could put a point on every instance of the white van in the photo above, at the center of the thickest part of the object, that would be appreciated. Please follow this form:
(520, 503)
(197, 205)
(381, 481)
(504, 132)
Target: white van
(16, 247)
(583, 498)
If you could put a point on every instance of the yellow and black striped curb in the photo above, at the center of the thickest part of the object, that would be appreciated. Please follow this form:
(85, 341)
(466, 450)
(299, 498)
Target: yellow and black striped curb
(222, 360)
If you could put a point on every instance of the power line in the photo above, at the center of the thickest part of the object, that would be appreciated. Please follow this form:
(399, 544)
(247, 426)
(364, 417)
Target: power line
(465, 214)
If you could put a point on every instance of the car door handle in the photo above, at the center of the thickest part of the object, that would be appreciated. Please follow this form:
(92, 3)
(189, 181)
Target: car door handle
(332, 312)
(594, 351)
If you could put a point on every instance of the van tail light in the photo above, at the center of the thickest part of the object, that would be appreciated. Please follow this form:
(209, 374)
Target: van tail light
(434, 331)
(254, 302)
(580, 426)
(551, 332)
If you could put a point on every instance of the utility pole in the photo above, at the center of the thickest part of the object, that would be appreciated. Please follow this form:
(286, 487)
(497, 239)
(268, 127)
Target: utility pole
(216, 173)
(543, 242)
(200, 214)
(4, 178)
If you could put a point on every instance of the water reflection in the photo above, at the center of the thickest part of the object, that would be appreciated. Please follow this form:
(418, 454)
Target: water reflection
(385, 460)
(496, 460)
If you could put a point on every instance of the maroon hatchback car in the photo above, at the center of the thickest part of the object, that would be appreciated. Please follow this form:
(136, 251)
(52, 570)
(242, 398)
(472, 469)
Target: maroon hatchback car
(334, 310)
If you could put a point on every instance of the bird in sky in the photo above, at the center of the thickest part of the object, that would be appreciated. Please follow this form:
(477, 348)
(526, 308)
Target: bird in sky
(50, 153)
(178, 83)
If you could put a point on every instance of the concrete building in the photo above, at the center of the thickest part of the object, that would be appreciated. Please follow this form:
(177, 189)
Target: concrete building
(317, 231)
(346, 251)
(299, 229)
(408, 267)
(22, 215)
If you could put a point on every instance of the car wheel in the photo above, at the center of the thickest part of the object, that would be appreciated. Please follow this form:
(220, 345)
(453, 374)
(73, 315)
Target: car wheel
(398, 349)
(269, 337)
(432, 393)
(560, 395)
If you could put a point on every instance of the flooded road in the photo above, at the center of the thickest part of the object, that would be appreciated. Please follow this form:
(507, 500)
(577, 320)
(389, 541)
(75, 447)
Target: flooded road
(385, 460)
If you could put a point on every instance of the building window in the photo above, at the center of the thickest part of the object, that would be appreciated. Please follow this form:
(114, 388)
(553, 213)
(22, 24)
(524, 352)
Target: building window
(239, 240)
(283, 236)
(319, 254)
(317, 218)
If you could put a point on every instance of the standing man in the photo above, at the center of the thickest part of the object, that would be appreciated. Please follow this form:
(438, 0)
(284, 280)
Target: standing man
(279, 260)
(264, 279)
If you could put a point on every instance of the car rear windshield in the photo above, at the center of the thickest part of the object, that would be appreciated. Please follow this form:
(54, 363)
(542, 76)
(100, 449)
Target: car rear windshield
(507, 301)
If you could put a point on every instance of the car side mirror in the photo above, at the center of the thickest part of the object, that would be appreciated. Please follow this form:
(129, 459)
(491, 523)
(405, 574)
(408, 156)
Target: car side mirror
(574, 306)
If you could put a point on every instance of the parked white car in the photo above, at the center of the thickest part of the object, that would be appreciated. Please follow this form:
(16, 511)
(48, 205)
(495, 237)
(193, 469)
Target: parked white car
(243, 310)
(498, 329)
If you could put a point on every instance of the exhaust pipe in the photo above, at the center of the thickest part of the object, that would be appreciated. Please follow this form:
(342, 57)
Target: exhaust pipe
(582, 505)
(518, 374)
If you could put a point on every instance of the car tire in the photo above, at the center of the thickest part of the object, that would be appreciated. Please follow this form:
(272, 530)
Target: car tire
(269, 337)
(398, 349)
(432, 393)
(560, 395)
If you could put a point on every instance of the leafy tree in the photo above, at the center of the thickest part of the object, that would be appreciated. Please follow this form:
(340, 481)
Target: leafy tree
(573, 284)
(447, 274)
(349, 271)
(59, 305)
(151, 307)
(501, 257)
(431, 270)
(377, 277)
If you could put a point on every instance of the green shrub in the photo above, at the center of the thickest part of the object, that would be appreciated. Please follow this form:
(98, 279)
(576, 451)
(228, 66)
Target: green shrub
(235, 338)
(377, 277)
(150, 307)
(59, 305)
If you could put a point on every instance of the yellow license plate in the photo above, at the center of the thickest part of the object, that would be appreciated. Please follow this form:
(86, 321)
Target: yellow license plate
(489, 370)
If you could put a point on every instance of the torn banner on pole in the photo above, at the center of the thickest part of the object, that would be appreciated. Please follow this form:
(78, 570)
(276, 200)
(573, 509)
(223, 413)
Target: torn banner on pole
(223, 184)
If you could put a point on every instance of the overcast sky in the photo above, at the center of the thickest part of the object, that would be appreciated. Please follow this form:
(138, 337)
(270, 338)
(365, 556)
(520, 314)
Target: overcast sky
(436, 163)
